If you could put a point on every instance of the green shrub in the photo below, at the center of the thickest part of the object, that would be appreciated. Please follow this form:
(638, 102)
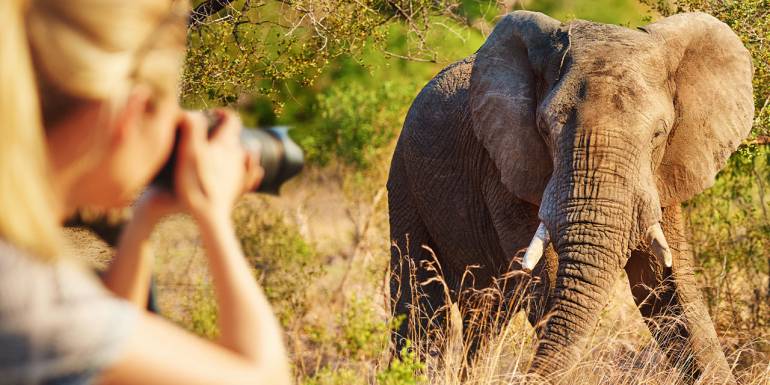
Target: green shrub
(731, 238)
(284, 264)
(202, 308)
(363, 334)
(355, 121)
(339, 376)
(361, 339)
(408, 370)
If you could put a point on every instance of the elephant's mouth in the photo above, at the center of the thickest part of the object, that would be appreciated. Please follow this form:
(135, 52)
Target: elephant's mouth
(654, 237)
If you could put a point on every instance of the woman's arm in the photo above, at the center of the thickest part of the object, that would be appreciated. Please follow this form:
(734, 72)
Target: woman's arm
(246, 321)
(159, 353)
(210, 175)
(251, 348)
(129, 273)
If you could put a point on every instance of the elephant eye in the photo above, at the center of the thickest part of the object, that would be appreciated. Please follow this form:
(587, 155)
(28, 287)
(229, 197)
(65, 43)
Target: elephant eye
(660, 129)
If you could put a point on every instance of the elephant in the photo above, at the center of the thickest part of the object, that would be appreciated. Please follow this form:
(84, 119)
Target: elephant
(575, 144)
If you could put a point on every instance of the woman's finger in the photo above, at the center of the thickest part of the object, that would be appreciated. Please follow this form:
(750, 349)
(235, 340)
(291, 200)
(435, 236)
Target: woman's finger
(228, 126)
(192, 132)
(196, 125)
(254, 172)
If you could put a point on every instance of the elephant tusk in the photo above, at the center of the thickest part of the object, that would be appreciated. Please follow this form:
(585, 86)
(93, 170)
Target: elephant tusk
(659, 245)
(535, 250)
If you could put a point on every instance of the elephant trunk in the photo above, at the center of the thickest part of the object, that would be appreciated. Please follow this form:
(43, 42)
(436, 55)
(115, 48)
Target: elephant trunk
(592, 221)
(591, 253)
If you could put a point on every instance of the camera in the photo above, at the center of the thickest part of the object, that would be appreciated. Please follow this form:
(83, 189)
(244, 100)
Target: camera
(280, 157)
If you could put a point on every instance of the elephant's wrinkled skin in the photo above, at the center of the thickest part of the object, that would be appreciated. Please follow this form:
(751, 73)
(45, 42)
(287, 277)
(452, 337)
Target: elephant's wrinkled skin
(597, 131)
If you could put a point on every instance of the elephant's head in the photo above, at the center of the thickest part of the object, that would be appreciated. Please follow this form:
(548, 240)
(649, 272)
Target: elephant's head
(601, 126)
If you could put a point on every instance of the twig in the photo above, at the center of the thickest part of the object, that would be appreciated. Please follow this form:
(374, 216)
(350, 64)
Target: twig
(412, 58)
(204, 10)
(760, 140)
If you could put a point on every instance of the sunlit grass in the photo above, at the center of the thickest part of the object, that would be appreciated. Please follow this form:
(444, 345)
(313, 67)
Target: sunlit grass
(337, 316)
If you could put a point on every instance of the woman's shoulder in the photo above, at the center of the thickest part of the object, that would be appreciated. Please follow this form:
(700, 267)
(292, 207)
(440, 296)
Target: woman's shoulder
(21, 278)
(56, 319)
(27, 280)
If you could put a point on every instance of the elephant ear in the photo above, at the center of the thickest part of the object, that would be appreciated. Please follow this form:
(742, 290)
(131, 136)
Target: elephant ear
(711, 74)
(503, 101)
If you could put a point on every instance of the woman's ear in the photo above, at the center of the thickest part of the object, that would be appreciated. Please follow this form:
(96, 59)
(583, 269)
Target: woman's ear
(710, 72)
(503, 100)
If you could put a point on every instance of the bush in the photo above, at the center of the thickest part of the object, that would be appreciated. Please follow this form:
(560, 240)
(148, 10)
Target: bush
(355, 121)
(263, 48)
(361, 339)
(202, 308)
(284, 264)
(731, 239)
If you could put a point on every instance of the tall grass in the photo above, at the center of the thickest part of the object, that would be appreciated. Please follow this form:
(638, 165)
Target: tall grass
(620, 350)
(322, 251)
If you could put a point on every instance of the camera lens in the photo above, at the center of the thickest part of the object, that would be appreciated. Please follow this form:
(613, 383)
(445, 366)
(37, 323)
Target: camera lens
(280, 157)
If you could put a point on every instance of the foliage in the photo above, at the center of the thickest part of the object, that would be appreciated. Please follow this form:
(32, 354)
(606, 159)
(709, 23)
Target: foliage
(284, 263)
(405, 371)
(360, 337)
(329, 376)
(731, 239)
(364, 335)
(356, 110)
(203, 312)
(354, 122)
(623, 12)
(261, 47)
(333, 69)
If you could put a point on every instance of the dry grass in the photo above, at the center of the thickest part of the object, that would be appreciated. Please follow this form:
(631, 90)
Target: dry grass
(333, 304)
(620, 350)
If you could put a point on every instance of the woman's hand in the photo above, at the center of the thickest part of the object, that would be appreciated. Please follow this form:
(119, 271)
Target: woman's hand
(212, 171)
(154, 204)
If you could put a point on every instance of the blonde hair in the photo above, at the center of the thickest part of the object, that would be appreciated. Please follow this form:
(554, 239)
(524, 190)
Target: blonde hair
(57, 54)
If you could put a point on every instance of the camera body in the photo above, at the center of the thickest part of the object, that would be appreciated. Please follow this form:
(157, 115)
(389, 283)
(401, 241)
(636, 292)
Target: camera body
(279, 155)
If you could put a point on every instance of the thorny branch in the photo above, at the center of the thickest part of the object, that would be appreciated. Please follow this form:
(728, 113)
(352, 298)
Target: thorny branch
(206, 9)
(258, 46)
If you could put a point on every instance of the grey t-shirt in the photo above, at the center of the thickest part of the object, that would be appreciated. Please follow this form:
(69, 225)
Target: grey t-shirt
(58, 324)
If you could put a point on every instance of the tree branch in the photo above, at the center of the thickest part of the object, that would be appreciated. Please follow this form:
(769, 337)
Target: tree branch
(759, 140)
(206, 9)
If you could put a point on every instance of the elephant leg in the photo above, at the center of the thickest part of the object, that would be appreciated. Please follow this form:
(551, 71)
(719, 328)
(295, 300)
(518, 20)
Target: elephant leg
(417, 300)
(673, 308)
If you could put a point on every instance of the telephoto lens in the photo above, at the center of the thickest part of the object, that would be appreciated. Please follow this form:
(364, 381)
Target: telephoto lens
(280, 157)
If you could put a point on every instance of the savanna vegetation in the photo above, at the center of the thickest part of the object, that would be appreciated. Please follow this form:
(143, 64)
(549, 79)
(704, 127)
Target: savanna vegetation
(342, 73)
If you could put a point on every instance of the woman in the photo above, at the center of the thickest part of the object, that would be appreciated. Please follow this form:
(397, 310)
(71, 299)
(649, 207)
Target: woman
(88, 114)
